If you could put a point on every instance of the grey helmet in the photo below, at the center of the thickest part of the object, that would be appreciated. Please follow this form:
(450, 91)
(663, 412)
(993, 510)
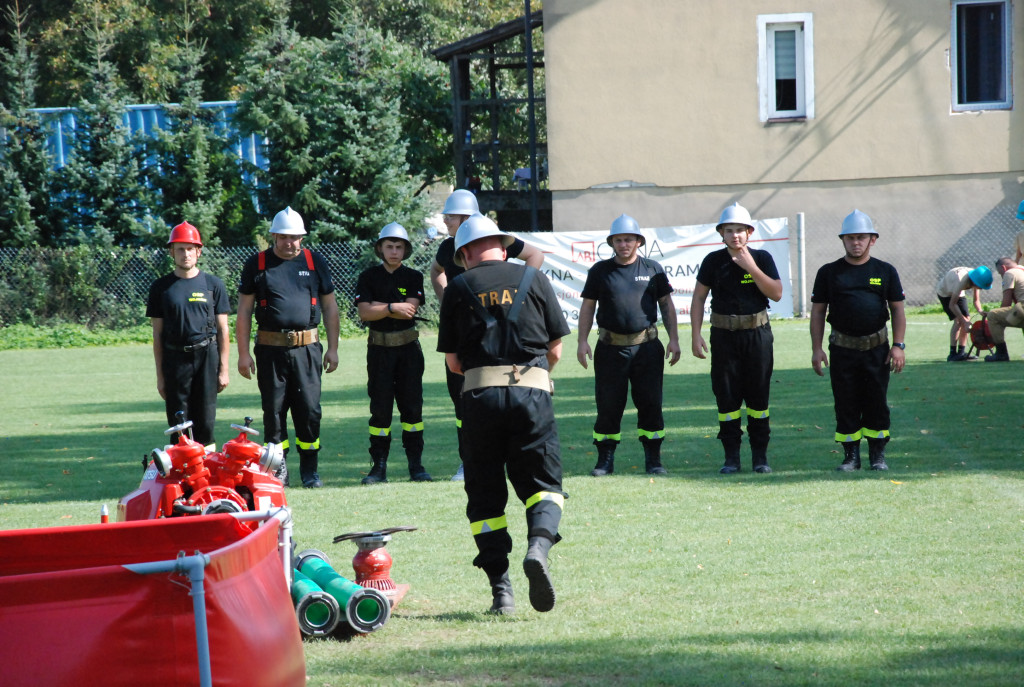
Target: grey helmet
(858, 223)
(624, 224)
(289, 223)
(461, 202)
(396, 231)
(477, 227)
(735, 214)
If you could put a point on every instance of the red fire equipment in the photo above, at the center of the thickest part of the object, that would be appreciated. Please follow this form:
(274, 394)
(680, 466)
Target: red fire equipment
(372, 562)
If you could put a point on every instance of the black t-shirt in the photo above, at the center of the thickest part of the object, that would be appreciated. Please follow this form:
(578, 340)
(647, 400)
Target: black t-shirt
(377, 284)
(445, 256)
(495, 284)
(733, 291)
(857, 295)
(188, 307)
(627, 295)
(289, 287)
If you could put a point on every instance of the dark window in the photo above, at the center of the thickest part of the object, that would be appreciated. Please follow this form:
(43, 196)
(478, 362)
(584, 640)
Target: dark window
(980, 53)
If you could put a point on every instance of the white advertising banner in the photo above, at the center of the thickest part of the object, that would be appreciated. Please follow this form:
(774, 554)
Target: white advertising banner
(680, 250)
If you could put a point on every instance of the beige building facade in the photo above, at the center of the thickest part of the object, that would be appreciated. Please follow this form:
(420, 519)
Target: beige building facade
(669, 110)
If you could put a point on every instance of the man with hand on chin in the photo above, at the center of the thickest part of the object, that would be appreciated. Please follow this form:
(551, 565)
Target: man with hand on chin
(740, 280)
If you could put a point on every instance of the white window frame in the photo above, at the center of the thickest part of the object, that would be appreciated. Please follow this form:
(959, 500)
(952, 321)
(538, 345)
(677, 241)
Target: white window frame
(954, 52)
(767, 24)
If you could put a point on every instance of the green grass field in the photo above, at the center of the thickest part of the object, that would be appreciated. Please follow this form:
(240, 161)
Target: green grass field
(801, 577)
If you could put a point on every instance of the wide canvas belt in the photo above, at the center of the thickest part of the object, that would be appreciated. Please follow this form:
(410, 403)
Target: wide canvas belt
(392, 339)
(859, 343)
(507, 375)
(734, 322)
(300, 338)
(615, 339)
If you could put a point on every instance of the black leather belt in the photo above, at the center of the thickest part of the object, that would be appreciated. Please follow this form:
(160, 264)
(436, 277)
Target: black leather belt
(191, 347)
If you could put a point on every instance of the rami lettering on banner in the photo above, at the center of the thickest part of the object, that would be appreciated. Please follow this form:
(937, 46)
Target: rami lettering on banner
(569, 255)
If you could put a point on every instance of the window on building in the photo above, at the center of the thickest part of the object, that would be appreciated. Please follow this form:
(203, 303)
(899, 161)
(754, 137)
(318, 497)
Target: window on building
(980, 55)
(785, 66)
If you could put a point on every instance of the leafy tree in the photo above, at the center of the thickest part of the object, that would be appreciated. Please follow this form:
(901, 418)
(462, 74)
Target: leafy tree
(101, 195)
(25, 167)
(336, 149)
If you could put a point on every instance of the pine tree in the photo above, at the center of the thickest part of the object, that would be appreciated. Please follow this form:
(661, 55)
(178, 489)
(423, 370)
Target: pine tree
(102, 197)
(25, 166)
(336, 151)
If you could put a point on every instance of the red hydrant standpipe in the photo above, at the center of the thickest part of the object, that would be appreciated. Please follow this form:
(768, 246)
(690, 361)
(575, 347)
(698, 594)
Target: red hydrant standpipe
(366, 610)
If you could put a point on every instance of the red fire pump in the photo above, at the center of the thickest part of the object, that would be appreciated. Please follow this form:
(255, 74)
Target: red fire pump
(182, 479)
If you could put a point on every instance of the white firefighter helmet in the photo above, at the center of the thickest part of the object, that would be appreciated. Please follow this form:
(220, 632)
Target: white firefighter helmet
(461, 202)
(858, 223)
(397, 232)
(289, 223)
(477, 227)
(735, 214)
(624, 224)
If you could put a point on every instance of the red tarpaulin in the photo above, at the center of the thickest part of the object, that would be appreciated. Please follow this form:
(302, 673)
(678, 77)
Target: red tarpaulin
(71, 614)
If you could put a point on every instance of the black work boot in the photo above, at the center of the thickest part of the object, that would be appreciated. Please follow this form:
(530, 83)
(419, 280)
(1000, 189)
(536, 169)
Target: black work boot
(732, 460)
(535, 565)
(501, 591)
(759, 458)
(282, 472)
(379, 448)
(308, 463)
(605, 458)
(876, 454)
(414, 454)
(851, 461)
(652, 457)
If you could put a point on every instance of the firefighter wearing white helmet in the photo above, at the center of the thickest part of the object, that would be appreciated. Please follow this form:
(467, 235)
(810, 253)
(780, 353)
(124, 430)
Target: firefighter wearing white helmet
(740, 280)
(857, 295)
(388, 296)
(501, 327)
(460, 205)
(950, 291)
(188, 309)
(289, 289)
(629, 359)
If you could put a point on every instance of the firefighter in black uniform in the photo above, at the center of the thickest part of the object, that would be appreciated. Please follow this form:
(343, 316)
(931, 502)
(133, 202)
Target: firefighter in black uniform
(387, 297)
(189, 312)
(460, 205)
(859, 294)
(629, 357)
(502, 327)
(740, 280)
(288, 287)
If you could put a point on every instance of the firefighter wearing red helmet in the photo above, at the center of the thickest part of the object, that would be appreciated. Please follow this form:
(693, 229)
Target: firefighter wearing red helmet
(189, 312)
(289, 289)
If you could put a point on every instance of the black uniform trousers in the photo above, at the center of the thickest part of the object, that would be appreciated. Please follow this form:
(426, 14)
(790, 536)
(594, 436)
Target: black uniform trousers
(289, 380)
(394, 376)
(742, 362)
(510, 429)
(190, 384)
(454, 382)
(860, 385)
(638, 370)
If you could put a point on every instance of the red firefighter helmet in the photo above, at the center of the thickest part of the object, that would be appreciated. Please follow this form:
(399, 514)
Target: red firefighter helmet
(185, 233)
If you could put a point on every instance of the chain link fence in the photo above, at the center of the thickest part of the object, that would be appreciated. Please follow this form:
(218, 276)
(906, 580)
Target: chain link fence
(109, 287)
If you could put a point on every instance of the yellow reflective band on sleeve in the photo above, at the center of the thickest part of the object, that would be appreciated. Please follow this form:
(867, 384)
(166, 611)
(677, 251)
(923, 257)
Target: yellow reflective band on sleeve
(308, 446)
(552, 496)
(874, 433)
(725, 417)
(380, 431)
(489, 525)
(458, 423)
(843, 438)
(761, 414)
(603, 437)
(406, 427)
(657, 434)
